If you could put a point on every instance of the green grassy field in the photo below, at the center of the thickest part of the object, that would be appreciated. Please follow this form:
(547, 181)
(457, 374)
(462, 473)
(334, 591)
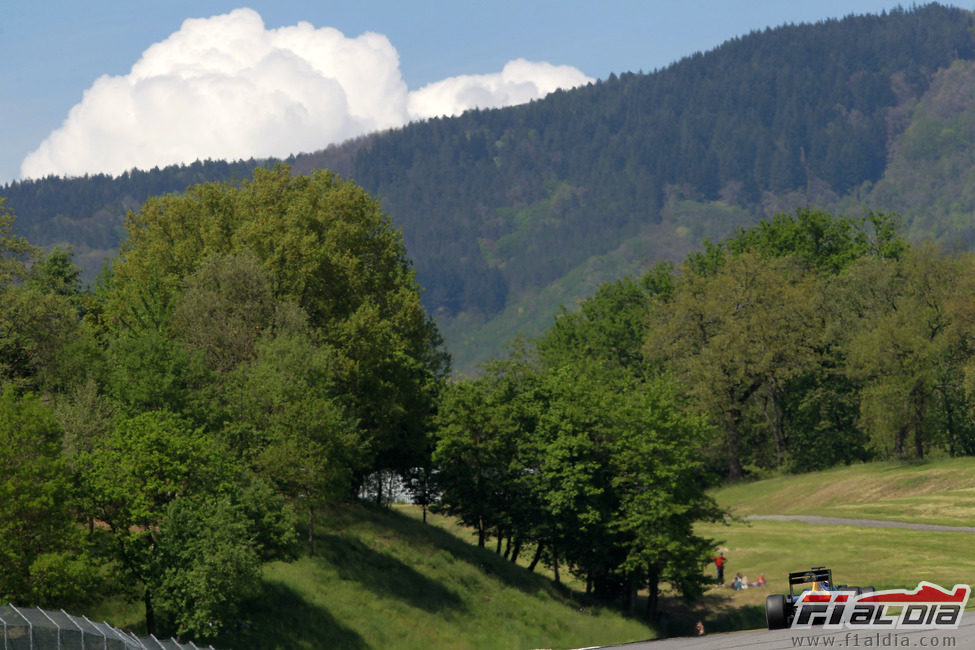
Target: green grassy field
(935, 492)
(938, 492)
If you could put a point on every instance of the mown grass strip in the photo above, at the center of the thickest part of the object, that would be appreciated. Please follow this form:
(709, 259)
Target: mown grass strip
(938, 492)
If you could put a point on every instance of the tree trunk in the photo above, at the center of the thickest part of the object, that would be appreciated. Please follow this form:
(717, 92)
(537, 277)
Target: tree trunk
(311, 529)
(735, 470)
(899, 437)
(426, 492)
(516, 550)
(770, 406)
(733, 432)
(918, 424)
(480, 532)
(949, 421)
(653, 595)
(732, 437)
(150, 613)
(538, 556)
(497, 549)
(631, 591)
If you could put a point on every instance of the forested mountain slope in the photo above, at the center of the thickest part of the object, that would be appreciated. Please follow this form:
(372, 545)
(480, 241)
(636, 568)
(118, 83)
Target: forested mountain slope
(508, 213)
(930, 175)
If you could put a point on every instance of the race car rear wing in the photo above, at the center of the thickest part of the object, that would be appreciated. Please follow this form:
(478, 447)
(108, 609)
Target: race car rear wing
(816, 574)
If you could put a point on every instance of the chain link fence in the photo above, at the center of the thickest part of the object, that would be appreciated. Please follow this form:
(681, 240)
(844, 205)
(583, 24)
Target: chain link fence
(27, 628)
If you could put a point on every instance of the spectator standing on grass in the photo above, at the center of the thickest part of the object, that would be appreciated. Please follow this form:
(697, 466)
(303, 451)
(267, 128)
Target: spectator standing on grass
(719, 564)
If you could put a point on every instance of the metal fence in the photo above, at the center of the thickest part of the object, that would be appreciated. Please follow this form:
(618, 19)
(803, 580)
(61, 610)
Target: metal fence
(27, 628)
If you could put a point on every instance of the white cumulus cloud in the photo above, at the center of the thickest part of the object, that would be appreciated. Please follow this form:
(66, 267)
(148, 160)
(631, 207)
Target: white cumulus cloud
(520, 81)
(226, 87)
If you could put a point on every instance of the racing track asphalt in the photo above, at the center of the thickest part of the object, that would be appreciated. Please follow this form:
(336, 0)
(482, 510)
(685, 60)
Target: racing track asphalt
(963, 637)
(875, 523)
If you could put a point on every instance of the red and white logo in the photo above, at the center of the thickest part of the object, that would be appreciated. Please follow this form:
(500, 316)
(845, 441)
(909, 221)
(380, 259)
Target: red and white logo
(927, 607)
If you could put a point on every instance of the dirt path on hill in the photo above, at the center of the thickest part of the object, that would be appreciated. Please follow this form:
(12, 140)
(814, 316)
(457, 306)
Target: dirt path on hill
(873, 523)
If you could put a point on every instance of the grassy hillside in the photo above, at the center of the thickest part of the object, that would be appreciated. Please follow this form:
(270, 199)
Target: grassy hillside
(941, 491)
(380, 579)
(383, 578)
(933, 492)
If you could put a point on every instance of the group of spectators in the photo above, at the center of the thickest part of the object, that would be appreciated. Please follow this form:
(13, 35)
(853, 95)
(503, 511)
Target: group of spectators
(740, 582)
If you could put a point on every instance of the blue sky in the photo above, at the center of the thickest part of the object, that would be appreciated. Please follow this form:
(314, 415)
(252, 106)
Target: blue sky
(52, 53)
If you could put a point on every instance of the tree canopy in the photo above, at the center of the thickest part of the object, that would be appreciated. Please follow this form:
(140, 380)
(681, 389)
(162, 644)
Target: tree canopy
(255, 352)
(314, 246)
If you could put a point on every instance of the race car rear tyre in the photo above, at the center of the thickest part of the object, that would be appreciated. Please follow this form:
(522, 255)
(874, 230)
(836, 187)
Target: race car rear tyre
(775, 612)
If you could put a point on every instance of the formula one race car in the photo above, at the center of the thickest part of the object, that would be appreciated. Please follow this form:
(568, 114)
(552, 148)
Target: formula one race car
(780, 609)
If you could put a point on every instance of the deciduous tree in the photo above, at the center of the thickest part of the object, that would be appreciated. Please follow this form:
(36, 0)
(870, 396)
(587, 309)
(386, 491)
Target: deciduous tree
(43, 556)
(324, 245)
(158, 486)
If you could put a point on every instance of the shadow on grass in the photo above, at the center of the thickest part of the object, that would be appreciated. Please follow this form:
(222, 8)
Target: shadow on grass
(715, 612)
(278, 618)
(385, 575)
(486, 560)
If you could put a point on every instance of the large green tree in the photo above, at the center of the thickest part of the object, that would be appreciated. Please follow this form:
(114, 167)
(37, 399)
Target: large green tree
(319, 243)
(43, 557)
(733, 335)
(292, 425)
(600, 469)
(184, 522)
(912, 343)
(756, 329)
(45, 345)
(483, 449)
(661, 481)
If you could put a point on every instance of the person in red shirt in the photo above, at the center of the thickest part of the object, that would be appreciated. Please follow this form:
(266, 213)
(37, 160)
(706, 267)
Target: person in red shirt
(719, 564)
